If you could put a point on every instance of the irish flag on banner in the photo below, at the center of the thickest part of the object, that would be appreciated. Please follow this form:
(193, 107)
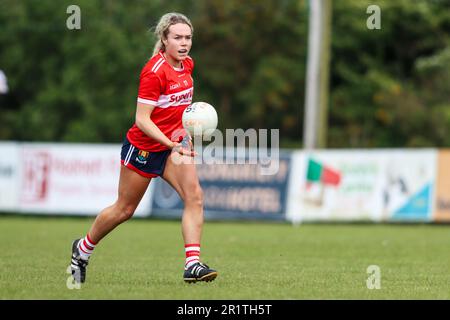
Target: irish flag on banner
(318, 173)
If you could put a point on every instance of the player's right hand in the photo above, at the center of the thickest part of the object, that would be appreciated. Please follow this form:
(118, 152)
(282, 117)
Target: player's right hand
(178, 147)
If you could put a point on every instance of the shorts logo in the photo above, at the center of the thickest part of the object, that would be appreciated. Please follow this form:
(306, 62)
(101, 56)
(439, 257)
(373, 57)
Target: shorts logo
(142, 156)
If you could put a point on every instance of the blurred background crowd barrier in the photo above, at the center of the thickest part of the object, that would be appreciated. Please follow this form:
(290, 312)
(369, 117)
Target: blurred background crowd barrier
(376, 185)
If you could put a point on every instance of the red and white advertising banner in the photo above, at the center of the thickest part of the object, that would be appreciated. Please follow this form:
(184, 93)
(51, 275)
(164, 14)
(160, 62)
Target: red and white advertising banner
(9, 176)
(79, 179)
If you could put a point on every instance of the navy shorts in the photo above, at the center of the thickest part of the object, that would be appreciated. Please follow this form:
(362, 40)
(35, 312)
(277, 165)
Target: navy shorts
(147, 164)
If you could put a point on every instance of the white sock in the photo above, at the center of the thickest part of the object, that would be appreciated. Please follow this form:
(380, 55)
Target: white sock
(192, 254)
(86, 246)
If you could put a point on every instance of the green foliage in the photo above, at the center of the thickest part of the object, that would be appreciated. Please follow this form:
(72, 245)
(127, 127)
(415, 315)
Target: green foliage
(388, 87)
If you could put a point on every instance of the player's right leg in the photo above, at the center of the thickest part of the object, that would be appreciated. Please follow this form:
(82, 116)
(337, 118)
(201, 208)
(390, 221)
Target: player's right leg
(180, 172)
(132, 187)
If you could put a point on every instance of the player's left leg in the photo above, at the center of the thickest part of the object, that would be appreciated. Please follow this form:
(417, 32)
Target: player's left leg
(181, 174)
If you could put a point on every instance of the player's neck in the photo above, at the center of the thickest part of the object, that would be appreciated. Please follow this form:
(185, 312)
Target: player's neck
(174, 63)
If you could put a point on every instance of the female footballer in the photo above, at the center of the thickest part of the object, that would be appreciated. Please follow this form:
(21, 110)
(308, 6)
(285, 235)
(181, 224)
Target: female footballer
(153, 148)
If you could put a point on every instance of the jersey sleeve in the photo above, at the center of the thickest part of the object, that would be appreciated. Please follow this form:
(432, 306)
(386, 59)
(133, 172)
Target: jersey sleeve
(149, 88)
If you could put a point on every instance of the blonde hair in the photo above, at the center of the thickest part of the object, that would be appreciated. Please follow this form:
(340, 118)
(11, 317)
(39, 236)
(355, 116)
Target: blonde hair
(162, 28)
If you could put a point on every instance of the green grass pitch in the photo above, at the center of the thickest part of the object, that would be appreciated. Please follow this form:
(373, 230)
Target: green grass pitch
(143, 259)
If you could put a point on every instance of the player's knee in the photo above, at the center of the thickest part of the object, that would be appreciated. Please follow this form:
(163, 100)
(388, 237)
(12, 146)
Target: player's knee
(126, 212)
(194, 197)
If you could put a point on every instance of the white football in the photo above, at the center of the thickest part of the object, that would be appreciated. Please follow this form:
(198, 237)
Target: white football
(200, 119)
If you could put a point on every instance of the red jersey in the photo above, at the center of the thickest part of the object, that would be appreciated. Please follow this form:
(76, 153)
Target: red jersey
(170, 91)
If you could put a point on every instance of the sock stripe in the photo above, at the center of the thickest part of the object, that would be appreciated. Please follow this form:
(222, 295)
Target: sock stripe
(84, 251)
(87, 246)
(192, 253)
(189, 259)
(89, 241)
(192, 245)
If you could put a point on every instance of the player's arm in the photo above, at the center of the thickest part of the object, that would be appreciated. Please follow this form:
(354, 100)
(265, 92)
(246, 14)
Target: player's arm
(143, 122)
